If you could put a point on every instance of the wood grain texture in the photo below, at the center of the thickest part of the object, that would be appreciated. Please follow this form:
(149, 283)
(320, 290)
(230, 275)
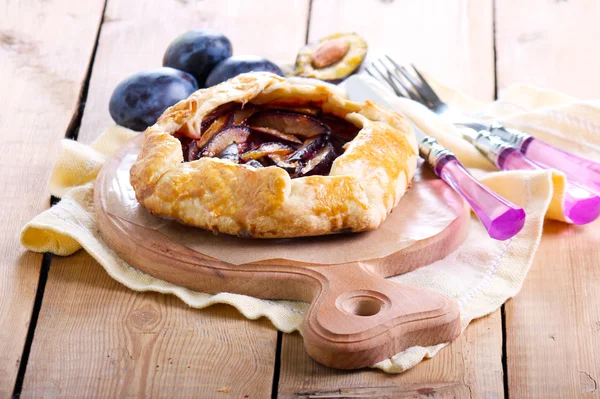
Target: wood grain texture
(464, 369)
(42, 70)
(553, 325)
(133, 37)
(96, 338)
(549, 44)
(453, 40)
(356, 317)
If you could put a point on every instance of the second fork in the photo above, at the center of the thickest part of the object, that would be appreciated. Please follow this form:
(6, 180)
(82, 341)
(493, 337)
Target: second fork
(582, 199)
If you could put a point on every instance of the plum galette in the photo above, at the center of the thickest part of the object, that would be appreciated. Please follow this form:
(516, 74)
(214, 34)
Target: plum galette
(268, 157)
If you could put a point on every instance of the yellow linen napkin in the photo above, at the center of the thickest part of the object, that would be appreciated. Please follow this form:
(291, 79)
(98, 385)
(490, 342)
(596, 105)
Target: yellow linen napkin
(479, 276)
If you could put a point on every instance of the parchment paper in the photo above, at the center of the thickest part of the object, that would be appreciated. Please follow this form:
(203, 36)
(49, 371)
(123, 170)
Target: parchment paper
(427, 208)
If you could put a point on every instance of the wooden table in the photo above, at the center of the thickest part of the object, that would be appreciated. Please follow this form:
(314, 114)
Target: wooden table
(68, 330)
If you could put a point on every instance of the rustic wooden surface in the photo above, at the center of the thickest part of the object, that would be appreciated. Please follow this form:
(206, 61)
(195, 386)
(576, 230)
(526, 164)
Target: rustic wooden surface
(553, 325)
(39, 97)
(470, 366)
(96, 338)
(549, 43)
(133, 37)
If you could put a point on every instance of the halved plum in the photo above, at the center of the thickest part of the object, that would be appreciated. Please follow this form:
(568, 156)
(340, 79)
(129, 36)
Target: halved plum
(321, 163)
(272, 134)
(333, 58)
(288, 123)
(309, 148)
(266, 149)
(232, 135)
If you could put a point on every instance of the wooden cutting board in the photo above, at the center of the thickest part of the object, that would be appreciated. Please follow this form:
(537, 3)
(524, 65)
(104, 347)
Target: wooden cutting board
(356, 317)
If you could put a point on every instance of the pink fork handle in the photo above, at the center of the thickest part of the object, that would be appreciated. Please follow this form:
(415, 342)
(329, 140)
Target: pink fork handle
(580, 206)
(582, 171)
(501, 218)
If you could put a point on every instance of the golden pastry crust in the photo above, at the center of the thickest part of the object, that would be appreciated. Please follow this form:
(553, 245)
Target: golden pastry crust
(364, 183)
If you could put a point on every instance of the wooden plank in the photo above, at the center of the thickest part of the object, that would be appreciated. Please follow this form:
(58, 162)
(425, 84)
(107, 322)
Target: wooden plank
(459, 52)
(96, 338)
(553, 325)
(42, 70)
(469, 367)
(549, 43)
(453, 40)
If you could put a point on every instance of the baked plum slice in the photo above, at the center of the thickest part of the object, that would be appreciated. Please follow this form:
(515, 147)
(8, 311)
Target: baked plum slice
(240, 116)
(216, 126)
(220, 111)
(320, 164)
(238, 135)
(288, 123)
(273, 134)
(298, 109)
(282, 162)
(267, 149)
(309, 149)
(268, 135)
(190, 149)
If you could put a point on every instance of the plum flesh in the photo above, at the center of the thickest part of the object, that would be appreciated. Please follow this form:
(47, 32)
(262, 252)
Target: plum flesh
(289, 123)
(263, 135)
(232, 135)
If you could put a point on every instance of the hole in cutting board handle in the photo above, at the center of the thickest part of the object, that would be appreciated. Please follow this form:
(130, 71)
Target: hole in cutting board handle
(362, 302)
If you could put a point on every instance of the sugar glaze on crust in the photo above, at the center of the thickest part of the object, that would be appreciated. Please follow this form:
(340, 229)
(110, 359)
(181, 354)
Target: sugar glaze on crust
(363, 186)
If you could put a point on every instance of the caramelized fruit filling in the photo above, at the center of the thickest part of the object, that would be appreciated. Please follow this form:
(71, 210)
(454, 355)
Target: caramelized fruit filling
(301, 140)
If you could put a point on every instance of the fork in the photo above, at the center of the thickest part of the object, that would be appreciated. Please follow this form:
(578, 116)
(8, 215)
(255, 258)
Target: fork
(508, 149)
(501, 218)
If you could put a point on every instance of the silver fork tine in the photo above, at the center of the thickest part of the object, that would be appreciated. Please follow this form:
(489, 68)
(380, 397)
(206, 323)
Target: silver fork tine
(419, 83)
(411, 93)
(386, 79)
(389, 79)
(430, 92)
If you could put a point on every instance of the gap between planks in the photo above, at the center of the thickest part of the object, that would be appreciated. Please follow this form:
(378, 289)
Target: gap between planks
(471, 366)
(45, 367)
(37, 305)
(70, 133)
(277, 365)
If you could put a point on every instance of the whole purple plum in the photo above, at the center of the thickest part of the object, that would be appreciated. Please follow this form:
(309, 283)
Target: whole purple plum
(139, 100)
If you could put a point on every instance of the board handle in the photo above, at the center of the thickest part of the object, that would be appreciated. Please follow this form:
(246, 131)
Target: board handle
(358, 318)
